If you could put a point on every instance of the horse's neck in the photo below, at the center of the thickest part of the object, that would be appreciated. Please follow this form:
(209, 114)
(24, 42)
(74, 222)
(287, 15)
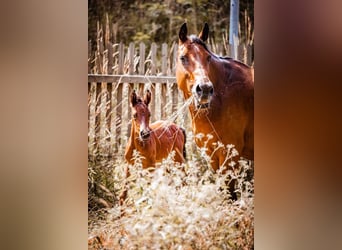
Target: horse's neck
(236, 71)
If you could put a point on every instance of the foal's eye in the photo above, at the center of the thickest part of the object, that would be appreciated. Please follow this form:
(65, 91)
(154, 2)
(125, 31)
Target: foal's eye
(135, 116)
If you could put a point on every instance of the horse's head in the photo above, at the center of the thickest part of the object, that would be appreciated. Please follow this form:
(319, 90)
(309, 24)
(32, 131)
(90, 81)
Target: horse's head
(141, 114)
(193, 66)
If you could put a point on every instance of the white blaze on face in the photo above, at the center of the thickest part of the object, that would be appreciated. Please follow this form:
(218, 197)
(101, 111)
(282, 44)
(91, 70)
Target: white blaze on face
(203, 87)
(200, 78)
(144, 130)
(143, 125)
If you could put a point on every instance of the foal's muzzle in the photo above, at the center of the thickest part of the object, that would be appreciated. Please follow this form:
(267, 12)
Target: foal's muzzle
(203, 93)
(145, 134)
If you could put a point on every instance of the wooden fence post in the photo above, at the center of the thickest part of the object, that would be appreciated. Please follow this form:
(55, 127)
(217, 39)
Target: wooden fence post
(110, 58)
(131, 59)
(121, 58)
(102, 120)
(155, 105)
(141, 87)
(125, 116)
(113, 116)
(92, 118)
(89, 57)
(142, 58)
(174, 59)
(165, 113)
(164, 59)
(154, 58)
(120, 109)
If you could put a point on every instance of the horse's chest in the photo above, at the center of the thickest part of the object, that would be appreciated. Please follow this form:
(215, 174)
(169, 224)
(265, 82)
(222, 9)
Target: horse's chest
(205, 123)
(219, 127)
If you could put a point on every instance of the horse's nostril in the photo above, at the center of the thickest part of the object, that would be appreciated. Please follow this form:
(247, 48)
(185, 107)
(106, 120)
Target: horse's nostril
(204, 89)
(211, 91)
(198, 89)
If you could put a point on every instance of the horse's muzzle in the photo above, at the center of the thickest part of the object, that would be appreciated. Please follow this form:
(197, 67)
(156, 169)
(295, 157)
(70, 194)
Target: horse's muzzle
(203, 93)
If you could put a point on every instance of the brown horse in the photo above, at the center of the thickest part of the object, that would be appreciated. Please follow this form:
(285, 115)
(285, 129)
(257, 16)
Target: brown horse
(222, 90)
(153, 141)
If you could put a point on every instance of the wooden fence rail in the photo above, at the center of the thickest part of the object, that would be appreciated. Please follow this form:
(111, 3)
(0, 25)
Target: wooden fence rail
(114, 70)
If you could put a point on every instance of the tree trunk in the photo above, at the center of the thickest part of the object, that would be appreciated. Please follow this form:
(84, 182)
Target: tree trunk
(234, 26)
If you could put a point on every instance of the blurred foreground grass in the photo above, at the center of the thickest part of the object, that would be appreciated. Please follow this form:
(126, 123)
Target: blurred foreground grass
(174, 207)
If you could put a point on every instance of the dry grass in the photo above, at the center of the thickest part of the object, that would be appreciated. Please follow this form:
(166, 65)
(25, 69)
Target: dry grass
(174, 207)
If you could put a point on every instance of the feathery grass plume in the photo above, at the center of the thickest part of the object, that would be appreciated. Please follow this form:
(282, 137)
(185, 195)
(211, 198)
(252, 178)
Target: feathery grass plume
(179, 207)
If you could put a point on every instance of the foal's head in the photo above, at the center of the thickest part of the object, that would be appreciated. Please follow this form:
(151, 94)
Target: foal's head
(141, 114)
(193, 66)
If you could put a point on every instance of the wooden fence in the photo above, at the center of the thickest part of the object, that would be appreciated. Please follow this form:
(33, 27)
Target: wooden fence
(114, 70)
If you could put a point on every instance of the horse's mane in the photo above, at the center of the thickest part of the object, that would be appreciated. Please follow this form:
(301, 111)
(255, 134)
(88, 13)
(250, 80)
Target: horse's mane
(195, 39)
(235, 61)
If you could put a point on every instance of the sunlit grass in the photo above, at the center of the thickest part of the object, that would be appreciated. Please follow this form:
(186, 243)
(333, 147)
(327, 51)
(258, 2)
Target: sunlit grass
(174, 207)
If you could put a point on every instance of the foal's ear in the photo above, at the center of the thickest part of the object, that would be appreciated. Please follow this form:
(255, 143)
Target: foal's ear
(183, 32)
(147, 98)
(203, 35)
(134, 99)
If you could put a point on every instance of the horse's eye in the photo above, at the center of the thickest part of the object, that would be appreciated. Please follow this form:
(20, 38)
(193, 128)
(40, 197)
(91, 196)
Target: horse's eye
(209, 58)
(135, 116)
(183, 59)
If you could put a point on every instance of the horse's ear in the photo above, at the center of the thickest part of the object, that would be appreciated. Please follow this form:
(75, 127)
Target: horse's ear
(183, 32)
(134, 100)
(203, 35)
(147, 98)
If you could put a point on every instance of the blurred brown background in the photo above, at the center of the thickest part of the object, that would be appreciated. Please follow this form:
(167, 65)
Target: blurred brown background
(44, 125)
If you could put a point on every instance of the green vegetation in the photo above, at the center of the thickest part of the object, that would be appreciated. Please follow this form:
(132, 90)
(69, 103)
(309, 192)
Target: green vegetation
(159, 21)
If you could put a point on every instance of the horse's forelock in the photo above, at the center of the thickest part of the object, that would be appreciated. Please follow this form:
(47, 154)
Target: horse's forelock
(196, 40)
